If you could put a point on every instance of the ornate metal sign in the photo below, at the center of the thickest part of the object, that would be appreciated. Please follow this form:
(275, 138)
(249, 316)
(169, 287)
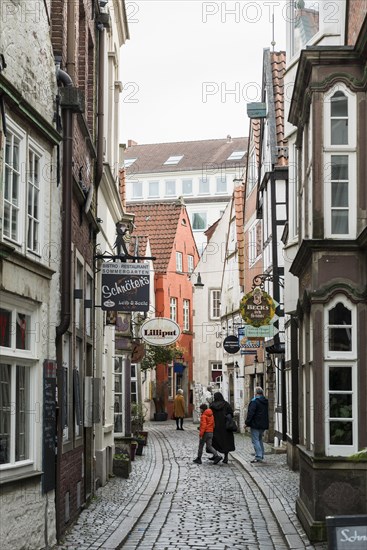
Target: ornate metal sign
(257, 308)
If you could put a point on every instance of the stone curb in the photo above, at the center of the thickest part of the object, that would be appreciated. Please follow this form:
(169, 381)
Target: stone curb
(119, 536)
(290, 534)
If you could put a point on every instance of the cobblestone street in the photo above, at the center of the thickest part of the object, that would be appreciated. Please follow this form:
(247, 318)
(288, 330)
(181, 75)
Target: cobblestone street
(170, 503)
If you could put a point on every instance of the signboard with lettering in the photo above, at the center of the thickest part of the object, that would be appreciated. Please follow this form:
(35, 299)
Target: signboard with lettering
(160, 331)
(231, 344)
(49, 426)
(257, 308)
(125, 287)
(347, 532)
(267, 331)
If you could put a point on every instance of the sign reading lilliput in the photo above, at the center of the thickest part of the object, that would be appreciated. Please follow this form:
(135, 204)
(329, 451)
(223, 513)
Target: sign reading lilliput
(257, 308)
(160, 331)
(125, 287)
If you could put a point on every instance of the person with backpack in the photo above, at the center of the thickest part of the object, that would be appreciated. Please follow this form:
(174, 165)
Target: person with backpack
(258, 420)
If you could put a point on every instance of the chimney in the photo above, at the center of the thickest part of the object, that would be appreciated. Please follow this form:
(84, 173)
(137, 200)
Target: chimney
(229, 139)
(131, 143)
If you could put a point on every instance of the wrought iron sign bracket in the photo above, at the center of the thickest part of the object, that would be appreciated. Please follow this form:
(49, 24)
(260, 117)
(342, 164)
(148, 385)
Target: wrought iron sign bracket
(259, 280)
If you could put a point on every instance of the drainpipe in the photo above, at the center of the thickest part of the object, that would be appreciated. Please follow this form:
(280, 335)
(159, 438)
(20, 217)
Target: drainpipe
(100, 105)
(67, 178)
(65, 314)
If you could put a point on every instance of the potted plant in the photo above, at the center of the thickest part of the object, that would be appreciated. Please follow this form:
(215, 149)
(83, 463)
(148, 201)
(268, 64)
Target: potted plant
(138, 415)
(141, 442)
(121, 464)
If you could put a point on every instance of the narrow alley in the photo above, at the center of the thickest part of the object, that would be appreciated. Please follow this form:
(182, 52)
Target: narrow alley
(170, 503)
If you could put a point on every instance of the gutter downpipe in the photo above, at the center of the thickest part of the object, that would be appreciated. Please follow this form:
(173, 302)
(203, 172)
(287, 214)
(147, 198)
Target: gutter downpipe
(100, 106)
(65, 287)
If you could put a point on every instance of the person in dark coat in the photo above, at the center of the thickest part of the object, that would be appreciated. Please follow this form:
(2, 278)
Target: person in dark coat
(223, 440)
(258, 420)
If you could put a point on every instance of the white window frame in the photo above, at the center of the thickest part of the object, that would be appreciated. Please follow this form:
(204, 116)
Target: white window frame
(221, 185)
(215, 303)
(37, 151)
(341, 359)
(203, 215)
(187, 181)
(28, 359)
(179, 262)
(190, 263)
(173, 309)
(186, 315)
(167, 191)
(152, 194)
(121, 361)
(352, 117)
(15, 132)
(341, 450)
(137, 189)
(350, 150)
(204, 186)
(26, 146)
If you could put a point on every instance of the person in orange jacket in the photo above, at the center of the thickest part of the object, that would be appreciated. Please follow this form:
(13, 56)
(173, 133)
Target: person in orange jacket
(206, 434)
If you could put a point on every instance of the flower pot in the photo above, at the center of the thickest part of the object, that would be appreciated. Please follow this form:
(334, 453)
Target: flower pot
(140, 447)
(121, 468)
(133, 448)
(144, 437)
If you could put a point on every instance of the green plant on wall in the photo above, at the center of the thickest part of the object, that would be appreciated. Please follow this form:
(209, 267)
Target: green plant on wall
(160, 355)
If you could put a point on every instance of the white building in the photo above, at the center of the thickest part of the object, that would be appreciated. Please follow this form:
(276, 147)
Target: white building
(30, 255)
(110, 212)
(202, 172)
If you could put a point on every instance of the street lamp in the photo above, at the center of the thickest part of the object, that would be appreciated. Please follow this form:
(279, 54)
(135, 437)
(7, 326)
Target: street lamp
(199, 283)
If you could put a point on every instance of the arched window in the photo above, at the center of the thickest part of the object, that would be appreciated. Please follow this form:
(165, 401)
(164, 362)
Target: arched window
(340, 378)
(340, 162)
(339, 119)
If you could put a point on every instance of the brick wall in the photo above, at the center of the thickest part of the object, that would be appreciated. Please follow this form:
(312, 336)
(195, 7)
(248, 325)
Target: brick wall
(357, 11)
(71, 475)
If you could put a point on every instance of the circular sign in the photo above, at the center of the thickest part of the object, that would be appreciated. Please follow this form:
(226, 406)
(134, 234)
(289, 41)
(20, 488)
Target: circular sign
(231, 344)
(257, 308)
(160, 331)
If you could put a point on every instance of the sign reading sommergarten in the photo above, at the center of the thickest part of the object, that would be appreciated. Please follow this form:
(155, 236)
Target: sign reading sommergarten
(125, 287)
(257, 308)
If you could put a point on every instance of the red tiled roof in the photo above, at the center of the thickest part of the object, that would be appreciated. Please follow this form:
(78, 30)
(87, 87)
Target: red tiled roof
(278, 66)
(196, 155)
(158, 221)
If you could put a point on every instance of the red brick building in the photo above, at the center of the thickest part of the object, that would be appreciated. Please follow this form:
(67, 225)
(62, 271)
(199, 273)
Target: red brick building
(168, 228)
(76, 39)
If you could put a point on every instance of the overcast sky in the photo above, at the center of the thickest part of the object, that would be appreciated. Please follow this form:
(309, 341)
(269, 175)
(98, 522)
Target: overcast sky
(190, 67)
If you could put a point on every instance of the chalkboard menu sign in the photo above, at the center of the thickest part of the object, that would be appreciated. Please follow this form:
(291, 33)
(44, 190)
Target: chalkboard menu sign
(347, 532)
(49, 425)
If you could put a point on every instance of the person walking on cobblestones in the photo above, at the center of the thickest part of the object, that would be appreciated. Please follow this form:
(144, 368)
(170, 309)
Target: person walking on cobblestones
(223, 440)
(206, 434)
(258, 420)
(179, 409)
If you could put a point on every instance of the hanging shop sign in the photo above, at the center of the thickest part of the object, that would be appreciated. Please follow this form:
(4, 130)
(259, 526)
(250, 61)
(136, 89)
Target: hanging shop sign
(125, 287)
(257, 308)
(160, 331)
(137, 351)
(267, 331)
(231, 344)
